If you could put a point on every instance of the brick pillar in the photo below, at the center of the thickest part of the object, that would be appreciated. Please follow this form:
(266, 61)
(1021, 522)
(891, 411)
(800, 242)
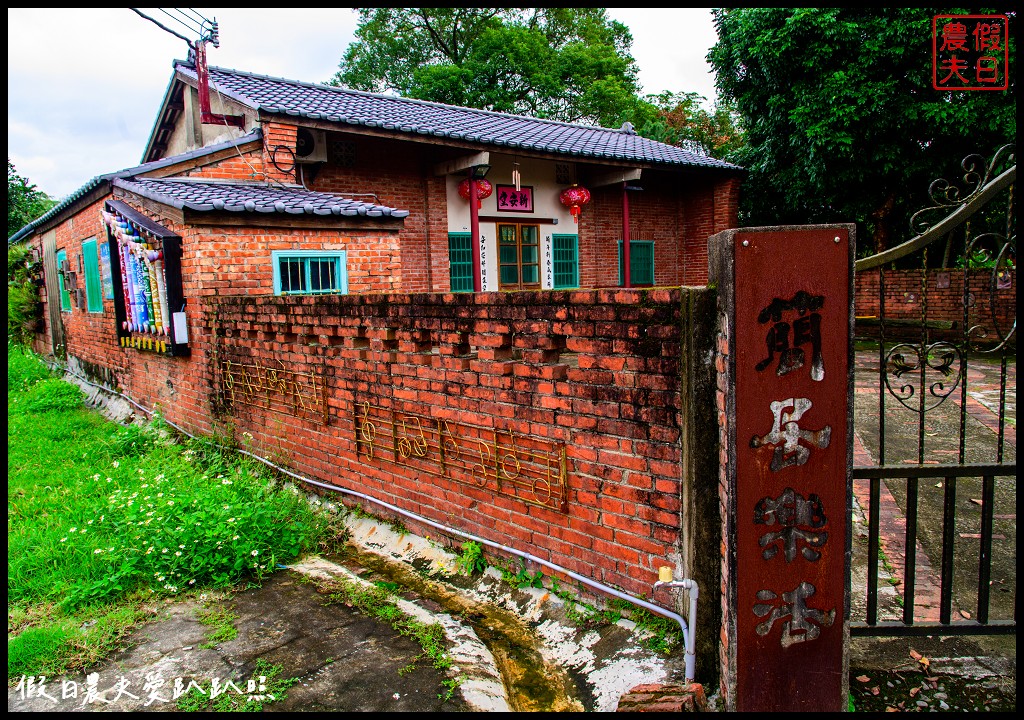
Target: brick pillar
(784, 391)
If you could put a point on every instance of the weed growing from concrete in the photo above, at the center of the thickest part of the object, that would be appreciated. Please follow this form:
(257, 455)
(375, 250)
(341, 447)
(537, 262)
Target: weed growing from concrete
(267, 686)
(471, 561)
(222, 626)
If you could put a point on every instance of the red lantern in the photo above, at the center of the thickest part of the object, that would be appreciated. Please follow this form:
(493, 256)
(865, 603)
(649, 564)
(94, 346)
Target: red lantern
(574, 197)
(483, 190)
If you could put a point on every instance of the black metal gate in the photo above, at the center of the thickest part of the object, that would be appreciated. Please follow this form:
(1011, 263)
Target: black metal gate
(935, 416)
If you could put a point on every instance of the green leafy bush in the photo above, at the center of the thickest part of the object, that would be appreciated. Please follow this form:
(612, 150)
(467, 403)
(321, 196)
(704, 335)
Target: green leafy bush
(50, 395)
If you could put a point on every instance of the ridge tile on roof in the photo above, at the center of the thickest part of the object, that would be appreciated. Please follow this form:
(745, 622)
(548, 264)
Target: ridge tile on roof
(206, 196)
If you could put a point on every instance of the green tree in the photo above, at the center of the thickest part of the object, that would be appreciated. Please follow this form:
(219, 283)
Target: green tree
(24, 202)
(682, 119)
(569, 64)
(841, 120)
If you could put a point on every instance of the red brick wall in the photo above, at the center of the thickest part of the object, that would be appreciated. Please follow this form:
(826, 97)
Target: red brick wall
(397, 174)
(615, 405)
(597, 371)
(244, 166)
(678, 215)
(278, 151)
(91, 334)
(906, 297)
(726, 633)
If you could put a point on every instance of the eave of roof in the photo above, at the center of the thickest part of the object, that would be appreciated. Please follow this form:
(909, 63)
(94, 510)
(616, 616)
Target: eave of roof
(100, 180)
(251, 197)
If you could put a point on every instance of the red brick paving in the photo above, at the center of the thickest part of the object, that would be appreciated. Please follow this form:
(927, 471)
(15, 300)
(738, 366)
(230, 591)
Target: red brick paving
(892, 523)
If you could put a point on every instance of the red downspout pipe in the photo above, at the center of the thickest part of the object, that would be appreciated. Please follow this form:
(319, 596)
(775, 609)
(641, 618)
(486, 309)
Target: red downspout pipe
(627, 281)
(474, 229)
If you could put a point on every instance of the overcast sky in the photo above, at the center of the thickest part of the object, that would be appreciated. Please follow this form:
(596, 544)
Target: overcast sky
(84, 85)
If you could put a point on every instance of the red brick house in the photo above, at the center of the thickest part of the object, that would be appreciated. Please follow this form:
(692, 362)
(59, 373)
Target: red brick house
(314, 189)
(297, 275)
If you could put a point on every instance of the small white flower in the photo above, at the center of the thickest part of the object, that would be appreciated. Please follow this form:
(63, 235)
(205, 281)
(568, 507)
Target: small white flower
(182, 547)
(159, 494)
(231, 519)
(164, 550)
(234, 538)
(96, 476)
(97, 551)
(254, 553)
(89, 523)
(63, 539)
(72, 529)
(225, 482)
(116, 464)
(178, 553)
(161, 578)
(170, 502)
(192, 582)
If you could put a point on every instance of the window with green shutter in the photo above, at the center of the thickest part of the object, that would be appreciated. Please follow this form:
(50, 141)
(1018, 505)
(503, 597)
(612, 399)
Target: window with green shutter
(566, 260)
(641, 263)
(65, 296)
(460, 258)
(93, 285)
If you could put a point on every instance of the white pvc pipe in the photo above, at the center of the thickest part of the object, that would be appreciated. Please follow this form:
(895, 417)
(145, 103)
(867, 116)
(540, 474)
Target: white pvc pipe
(688, 629)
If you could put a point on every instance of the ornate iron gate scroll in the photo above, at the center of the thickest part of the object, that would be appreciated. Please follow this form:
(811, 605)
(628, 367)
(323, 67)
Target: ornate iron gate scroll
(923, 365)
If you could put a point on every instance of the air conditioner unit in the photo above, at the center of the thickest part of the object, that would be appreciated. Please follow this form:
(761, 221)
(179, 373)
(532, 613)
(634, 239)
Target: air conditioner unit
(310, 146)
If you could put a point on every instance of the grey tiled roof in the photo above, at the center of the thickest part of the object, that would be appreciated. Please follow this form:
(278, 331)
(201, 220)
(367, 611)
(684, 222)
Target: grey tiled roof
(417, 117)
(99, 180)
(206, 195)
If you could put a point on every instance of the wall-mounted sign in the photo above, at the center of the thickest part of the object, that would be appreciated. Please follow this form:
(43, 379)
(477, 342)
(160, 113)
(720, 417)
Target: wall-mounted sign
(512, 200)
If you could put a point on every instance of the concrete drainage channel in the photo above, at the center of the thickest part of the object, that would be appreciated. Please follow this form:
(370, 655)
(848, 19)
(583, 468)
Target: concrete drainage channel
(513, 649)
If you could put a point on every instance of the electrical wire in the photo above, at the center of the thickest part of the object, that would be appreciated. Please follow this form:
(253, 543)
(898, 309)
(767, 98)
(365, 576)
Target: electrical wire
(188, 27)
(194, 14)
(162, 26)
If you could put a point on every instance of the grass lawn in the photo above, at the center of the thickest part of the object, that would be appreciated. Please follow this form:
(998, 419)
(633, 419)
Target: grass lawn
(103, 519)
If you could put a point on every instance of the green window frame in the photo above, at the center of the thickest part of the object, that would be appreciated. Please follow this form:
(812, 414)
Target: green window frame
(93, 284)
(310, 272)
(566, 261)
(460, 262)
(518, 256)
(65, 296)
(641, 263)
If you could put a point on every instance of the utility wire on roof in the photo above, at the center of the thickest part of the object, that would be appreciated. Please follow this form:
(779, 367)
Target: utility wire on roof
(204, 28)
(188, 25)
(161, 25)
